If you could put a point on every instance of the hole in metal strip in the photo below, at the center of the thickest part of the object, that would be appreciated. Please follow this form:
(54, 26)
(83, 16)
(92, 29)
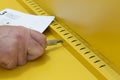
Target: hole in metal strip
(78, 44)
(91, 57)
(74, 40)
(87, 52)
(69, 37)
(82, 48)
(97, 61)
(102, 66)
(55, 24)
(62, 30)
(66, 33)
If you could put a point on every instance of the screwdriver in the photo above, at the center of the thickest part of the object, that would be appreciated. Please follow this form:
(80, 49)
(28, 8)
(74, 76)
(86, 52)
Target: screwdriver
(53, 42)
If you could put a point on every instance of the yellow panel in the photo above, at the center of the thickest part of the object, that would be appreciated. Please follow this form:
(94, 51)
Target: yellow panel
(11, 4)
(97, 21)
(89, 20)
(57, 63)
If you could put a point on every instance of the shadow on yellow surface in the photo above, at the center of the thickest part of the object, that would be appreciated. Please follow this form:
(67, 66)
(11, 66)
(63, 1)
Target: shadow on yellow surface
(7, 74)
(97, 21)
(58, 63)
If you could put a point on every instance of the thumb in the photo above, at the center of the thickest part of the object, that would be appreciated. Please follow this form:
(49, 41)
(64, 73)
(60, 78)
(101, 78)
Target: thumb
(36, 45)
(34, 51)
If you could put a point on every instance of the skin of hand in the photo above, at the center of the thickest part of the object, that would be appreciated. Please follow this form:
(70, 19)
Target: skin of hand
(18, 45)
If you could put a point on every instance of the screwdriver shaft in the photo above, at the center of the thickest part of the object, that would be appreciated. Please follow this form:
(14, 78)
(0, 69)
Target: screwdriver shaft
(53, 42)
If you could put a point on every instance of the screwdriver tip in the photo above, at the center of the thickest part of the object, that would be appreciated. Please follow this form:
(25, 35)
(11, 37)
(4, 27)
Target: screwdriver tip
(53, 42)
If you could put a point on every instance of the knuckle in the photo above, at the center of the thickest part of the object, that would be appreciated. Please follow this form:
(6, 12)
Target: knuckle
(44, 37)
(42, 50)
(35, 54)
(8, 64)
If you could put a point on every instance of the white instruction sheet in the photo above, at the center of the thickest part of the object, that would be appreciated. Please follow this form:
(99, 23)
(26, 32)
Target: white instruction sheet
(17, 18)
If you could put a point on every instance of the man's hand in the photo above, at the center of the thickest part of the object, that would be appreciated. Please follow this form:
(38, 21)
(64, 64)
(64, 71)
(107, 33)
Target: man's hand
(19, 45)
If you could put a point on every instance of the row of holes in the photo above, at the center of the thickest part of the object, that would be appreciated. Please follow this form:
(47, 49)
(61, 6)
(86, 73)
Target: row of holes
(79, 45)
(36, 7)
(42, 13)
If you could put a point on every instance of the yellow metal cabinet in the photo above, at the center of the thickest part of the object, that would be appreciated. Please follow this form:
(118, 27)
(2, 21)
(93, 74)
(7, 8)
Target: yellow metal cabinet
(96, 21)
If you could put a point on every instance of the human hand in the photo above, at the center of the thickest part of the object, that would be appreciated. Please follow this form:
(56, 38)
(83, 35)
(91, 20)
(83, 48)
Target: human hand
(19, 45)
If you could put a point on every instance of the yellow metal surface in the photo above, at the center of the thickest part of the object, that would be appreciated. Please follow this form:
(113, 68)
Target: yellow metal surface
(97, 21)
(58, 63)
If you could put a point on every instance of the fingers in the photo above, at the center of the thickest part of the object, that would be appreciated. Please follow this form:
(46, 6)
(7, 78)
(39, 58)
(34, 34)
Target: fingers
(22, 53)
(35, 50)
(8, 54)
(36, 45)
(19, 45)
(38, 37)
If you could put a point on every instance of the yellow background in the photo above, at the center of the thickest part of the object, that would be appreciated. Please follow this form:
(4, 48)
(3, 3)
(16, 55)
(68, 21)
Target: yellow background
(97, 21)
